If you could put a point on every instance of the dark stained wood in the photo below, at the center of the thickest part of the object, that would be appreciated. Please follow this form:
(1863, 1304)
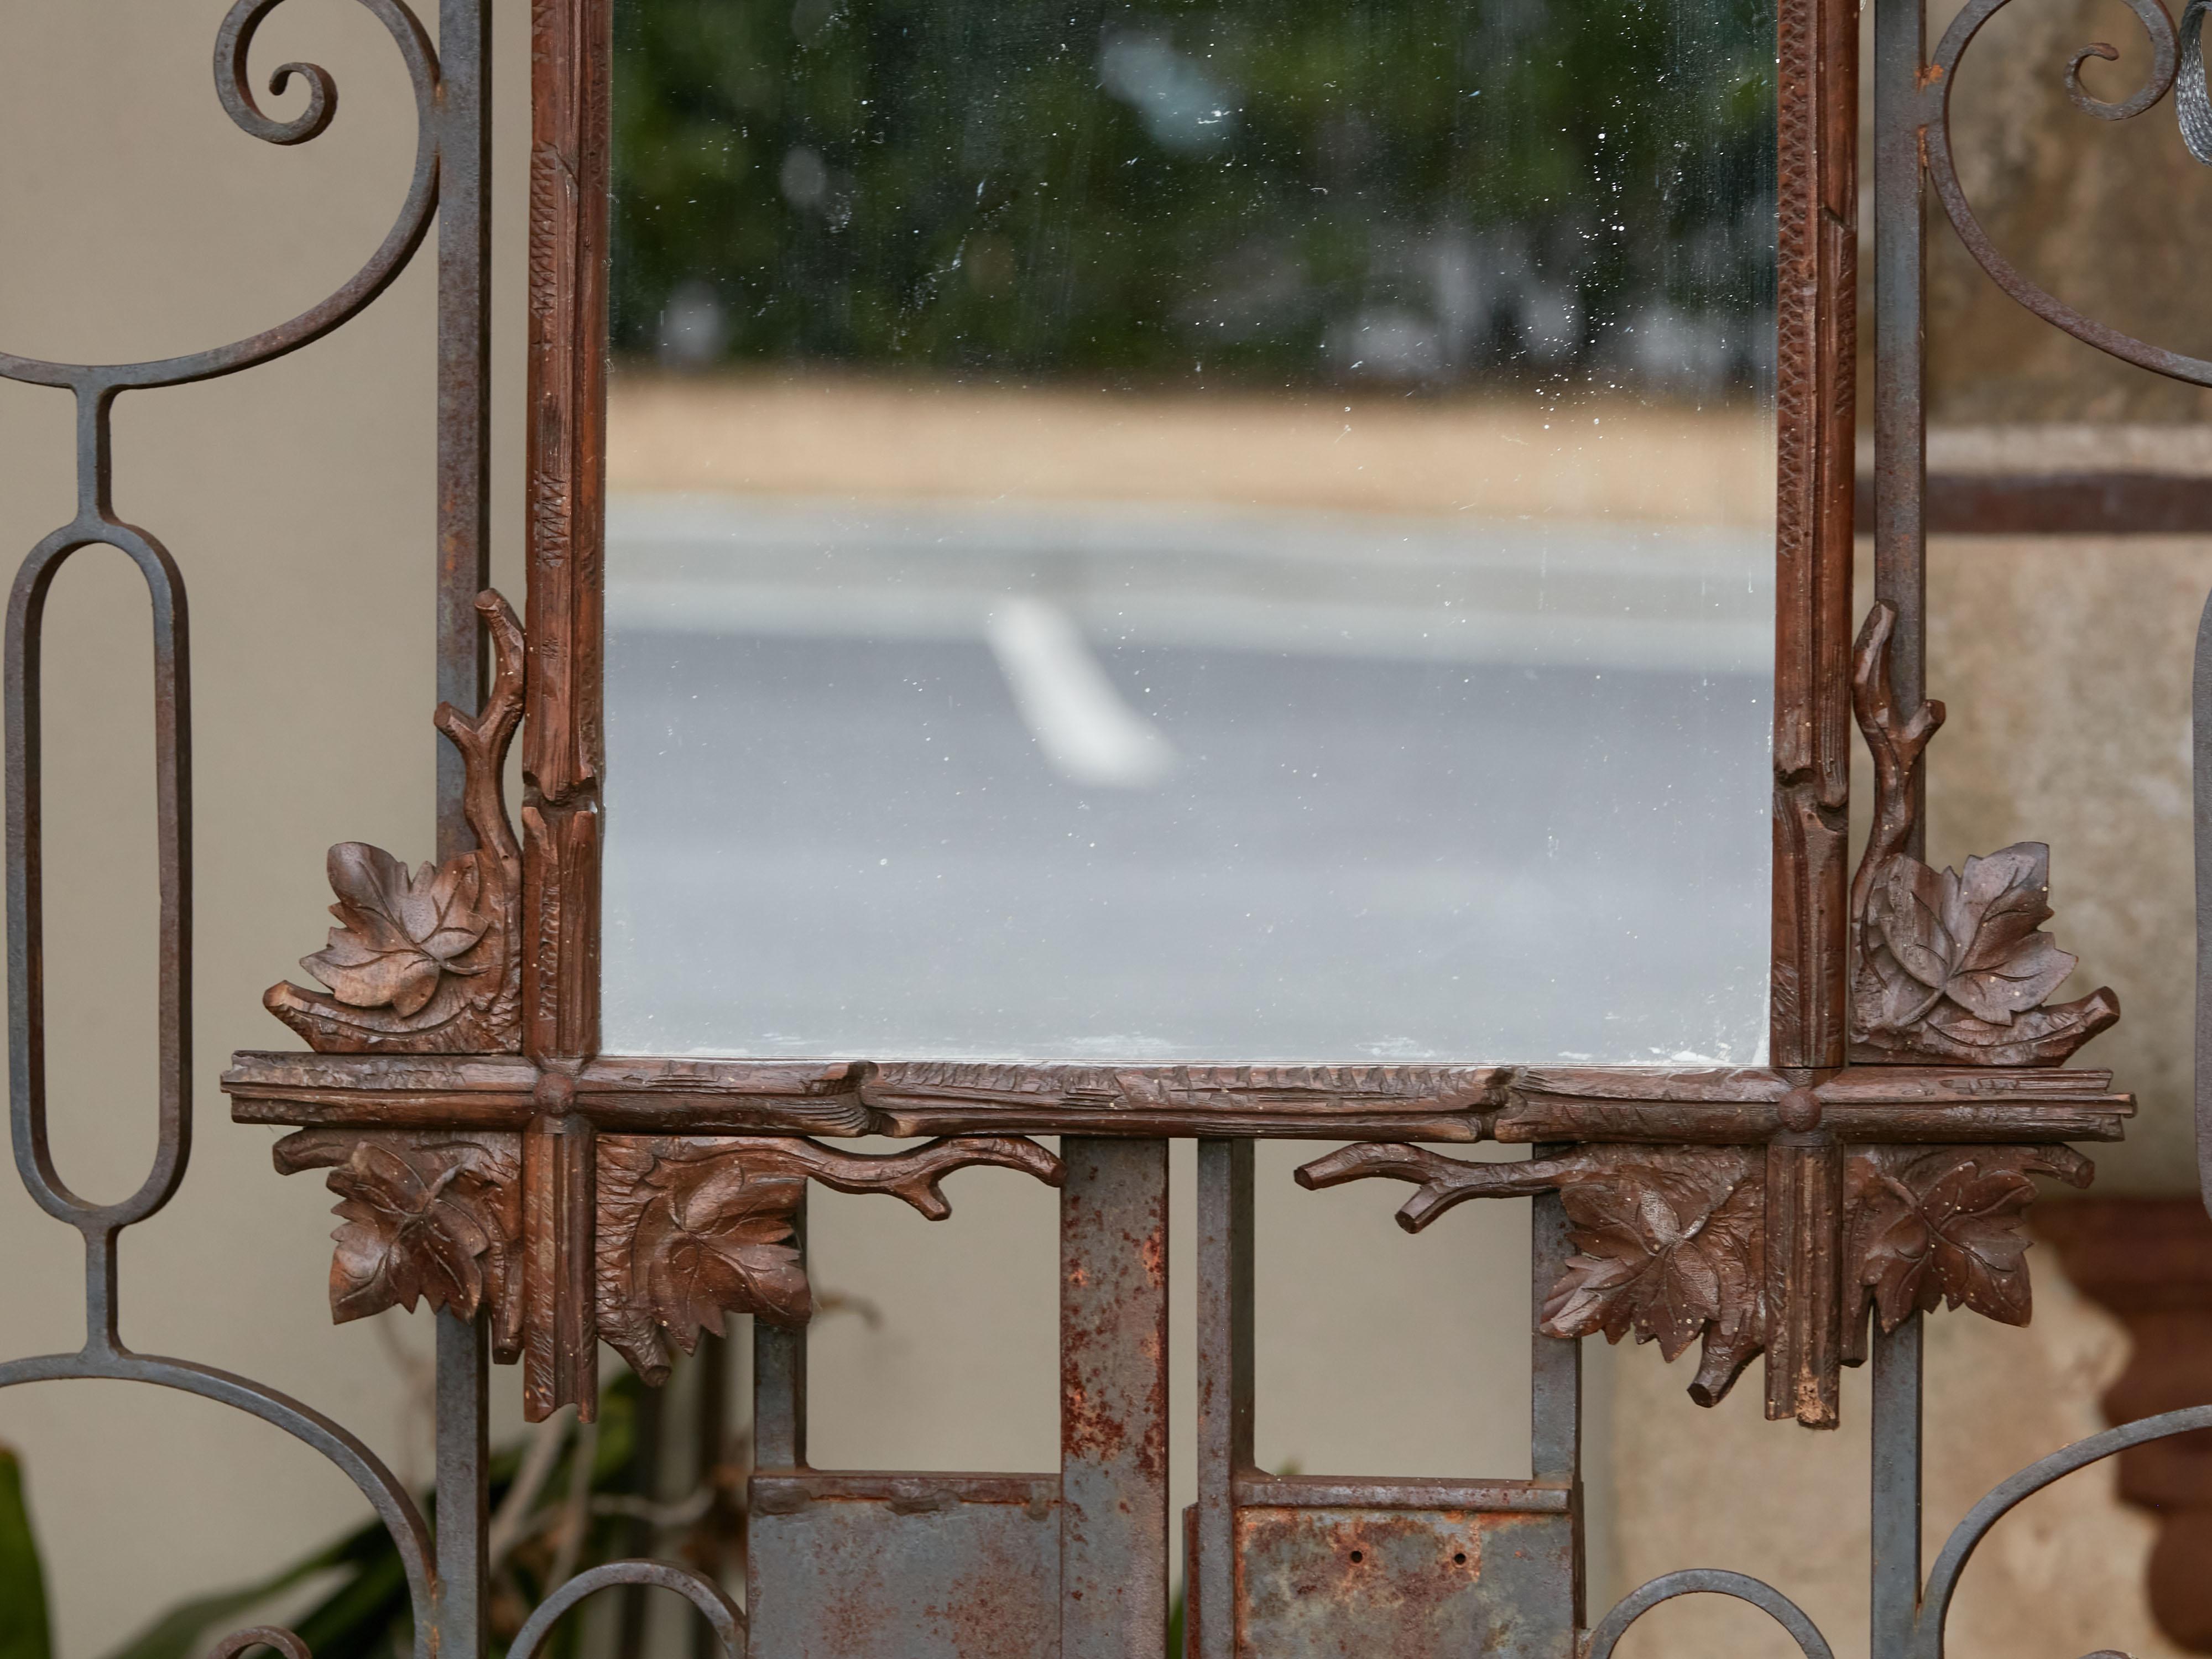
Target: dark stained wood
(560, 1350)
(1817, 183)
(1931, 1226)
(428, 961)
(1952, 968)
(1746, 1249)
(693, 1228)
(436, 1218)
(2149, 1261)
(1804, 1290)
(571, 50)
(1728, 1106)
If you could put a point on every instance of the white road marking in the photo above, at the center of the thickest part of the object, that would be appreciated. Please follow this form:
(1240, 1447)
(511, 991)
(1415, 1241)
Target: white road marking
(1080, 721)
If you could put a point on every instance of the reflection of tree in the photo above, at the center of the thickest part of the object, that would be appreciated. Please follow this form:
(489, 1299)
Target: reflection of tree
(1421, 187)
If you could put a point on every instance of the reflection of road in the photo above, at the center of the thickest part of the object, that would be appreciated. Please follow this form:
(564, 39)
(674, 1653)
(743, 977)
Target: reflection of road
(918, 784)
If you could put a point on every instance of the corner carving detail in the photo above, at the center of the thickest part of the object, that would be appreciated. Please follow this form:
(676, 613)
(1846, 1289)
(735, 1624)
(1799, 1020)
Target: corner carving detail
(1925, 1226)
(692, 1229)
(428, 1218)
(1950, 967)
(429, 961)
(1670, 1242)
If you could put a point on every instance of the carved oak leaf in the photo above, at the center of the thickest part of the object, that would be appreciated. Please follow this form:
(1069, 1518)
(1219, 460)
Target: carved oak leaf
(691, 1229)
(1948, 1227)
(400, 934)
(426, 1219)
(1668, 1246)
(711, 1236)
(1975, 938)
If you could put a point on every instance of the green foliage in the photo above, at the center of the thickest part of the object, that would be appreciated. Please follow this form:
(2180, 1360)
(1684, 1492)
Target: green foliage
(364, 1613)
(24, 1631)
(989, 186)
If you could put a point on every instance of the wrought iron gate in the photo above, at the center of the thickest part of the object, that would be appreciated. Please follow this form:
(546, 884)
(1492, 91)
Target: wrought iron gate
(544, 1197)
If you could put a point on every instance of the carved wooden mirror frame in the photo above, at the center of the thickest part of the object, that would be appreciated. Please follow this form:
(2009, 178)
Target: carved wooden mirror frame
(491, 1160)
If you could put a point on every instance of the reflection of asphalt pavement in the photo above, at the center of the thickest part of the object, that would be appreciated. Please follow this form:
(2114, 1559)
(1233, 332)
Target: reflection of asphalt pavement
(1069, 782)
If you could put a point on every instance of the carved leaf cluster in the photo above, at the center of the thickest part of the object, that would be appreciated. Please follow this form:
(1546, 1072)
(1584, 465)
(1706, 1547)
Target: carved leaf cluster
(428, 1220)
(1923, 1229)
(690, 1231)
(400, 934)
(427, 960)
(1962, 952)
(1669, 1245)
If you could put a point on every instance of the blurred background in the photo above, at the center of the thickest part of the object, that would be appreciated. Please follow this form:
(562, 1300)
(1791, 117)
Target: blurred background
(1027, 468)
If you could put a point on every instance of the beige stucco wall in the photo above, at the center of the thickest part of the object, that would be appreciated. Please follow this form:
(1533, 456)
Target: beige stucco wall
(297, 501)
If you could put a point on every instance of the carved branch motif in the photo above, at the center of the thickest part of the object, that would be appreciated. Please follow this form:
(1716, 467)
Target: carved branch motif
(1948, 1225)
(430, 962)
(1668, 1239)
(1671, 1240)
(1950, 967)
(428, 1218)
(694, 1228)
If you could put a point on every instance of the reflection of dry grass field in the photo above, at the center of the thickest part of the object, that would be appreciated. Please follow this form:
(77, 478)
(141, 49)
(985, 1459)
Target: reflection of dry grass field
(826, 434)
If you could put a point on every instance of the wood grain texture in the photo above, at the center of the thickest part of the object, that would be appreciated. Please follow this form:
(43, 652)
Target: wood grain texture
(1817, 174)
(1803, 1297)
(428, 961)
(1676, 1244)
(560, 1350)
(691, 1229)
(1952, 968)
(1702, 1105)
(428, 1218)
(1947, 1226)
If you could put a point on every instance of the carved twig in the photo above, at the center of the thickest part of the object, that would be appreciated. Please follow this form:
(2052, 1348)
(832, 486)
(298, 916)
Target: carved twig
(1948, 967)
(1444, 1182)
(483, 740)
(1895, 745)
(429, 961)
(693, 1228)
(913, 1176)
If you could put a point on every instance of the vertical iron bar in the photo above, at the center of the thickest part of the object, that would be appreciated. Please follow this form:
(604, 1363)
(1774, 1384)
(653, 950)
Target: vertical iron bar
(463, 571)
(463, 1512)
(1113, 1404)
(463, 379)
(1896, 1488)
(1901, 580)
(1555, 1372)
(1224, 1385)
(1901, 452)
(645, 1483)
(780, 1383)
(711, 1420)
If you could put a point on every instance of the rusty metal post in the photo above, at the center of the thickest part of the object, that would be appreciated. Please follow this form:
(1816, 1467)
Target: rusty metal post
(1224, 1388)
(1555, 1376)
(464, 379)
(1113, 1398)
(464, 119)
(1900, 454)
(780, 1383)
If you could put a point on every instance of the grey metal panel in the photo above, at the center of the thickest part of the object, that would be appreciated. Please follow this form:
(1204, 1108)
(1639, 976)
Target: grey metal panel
(1403, 1584)
(927, 1568)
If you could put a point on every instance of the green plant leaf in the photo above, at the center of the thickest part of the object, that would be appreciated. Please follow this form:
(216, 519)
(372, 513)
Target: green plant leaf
(24, 1632)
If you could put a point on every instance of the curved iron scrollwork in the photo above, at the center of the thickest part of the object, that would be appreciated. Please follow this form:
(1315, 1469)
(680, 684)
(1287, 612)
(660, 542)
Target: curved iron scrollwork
(96, 387)
(1942, 1581)
(2177, 66)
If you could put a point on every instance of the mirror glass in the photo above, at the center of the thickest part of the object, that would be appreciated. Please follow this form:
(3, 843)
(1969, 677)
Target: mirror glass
(1236, 530)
